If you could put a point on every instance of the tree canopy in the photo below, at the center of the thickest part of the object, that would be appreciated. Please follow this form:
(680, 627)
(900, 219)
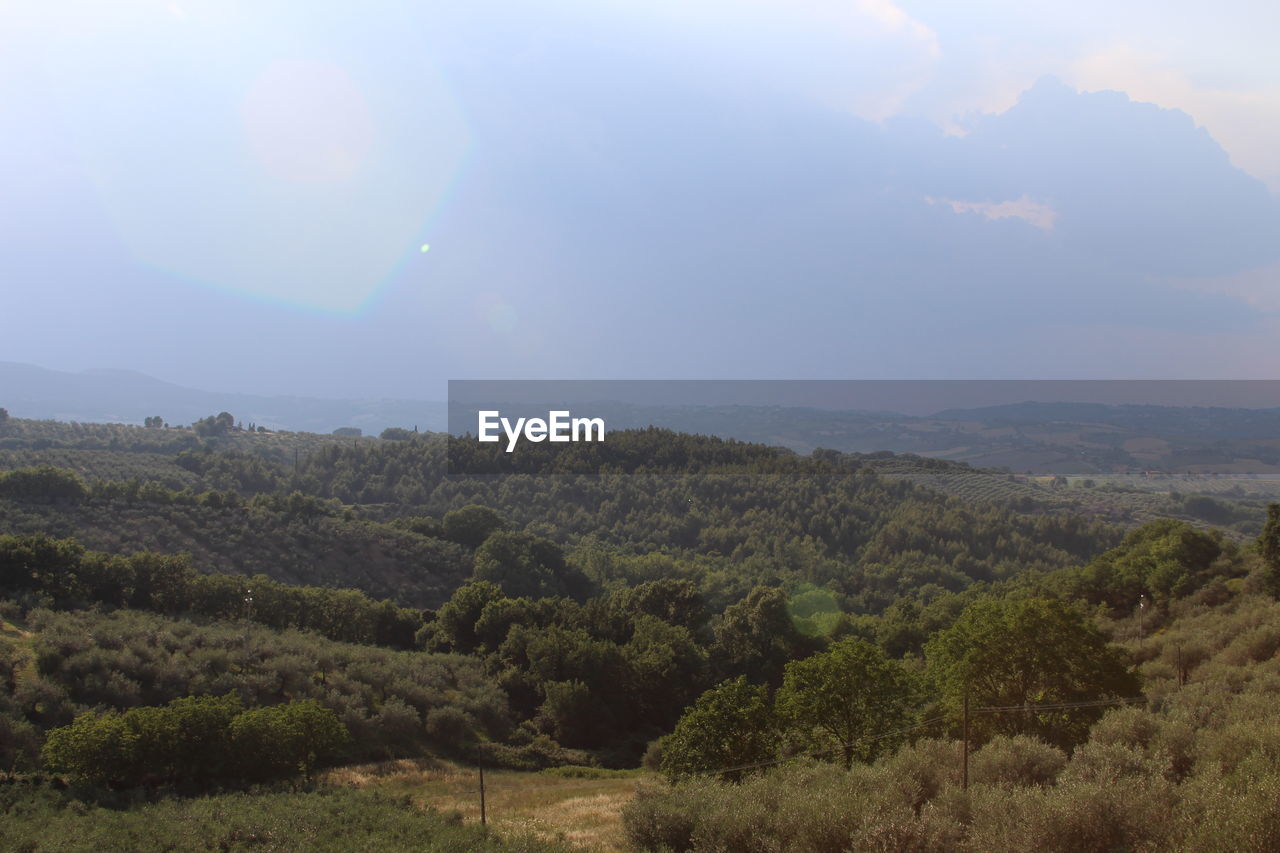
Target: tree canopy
(1007, 653)
(848, 699)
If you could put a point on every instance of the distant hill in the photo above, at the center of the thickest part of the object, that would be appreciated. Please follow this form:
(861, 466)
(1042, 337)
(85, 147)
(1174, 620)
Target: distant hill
(123, 396)
(1035, 437)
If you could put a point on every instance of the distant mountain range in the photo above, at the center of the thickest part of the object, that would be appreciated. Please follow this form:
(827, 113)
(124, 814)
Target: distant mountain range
(1041, 437)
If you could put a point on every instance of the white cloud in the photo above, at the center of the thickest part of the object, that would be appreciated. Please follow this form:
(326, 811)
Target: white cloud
(1245, 121)
(1032, 212)
(1215, 62)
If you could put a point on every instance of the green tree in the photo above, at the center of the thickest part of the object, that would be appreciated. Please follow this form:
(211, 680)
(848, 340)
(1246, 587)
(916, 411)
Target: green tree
(40, 563)
(730, 726)
(471, 525)
(668, 667)
(455, 624)
(43, 483)
(215, 425)
(571, 715)
(1009, 653)
(756, 636)
(675, 601)
(184, 742)
(521, 564)
(1269, 545)
(1163, 560)
(96, 748)
(283, 740)
(849, 697)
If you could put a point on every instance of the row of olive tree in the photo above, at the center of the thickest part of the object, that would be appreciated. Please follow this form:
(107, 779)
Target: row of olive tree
(195, 742)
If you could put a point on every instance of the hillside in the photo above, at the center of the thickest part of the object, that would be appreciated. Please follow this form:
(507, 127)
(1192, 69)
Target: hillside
(1191, 766)
(528, 620)
(368, 513)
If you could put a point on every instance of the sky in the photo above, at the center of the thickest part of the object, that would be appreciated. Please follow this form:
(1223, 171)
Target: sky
(340, 200)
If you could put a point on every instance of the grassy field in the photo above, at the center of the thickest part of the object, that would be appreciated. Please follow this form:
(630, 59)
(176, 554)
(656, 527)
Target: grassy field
(554, 805)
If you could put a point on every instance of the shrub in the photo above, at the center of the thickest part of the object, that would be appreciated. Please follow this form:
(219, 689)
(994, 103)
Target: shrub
(449, 727)
(1016, 761)
(1075, 815)
(654, 821)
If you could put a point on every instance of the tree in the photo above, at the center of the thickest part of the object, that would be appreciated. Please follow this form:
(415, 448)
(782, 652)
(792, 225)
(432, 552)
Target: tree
(849, 697)
(219, 424)
(574, 717)
(1163, 560)
(1006, 653)
(730, 726)
(195, 741)
(281, 740)
(668, 667)
(756, 636)
(455, 623)
(521, 564)
(1269, 544)
(471, 525)
(675, 601)
(98, 748)
(43, 483)
(41, 563)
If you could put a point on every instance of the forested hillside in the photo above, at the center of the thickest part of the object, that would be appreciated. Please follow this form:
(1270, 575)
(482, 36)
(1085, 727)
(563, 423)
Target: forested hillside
(724, 614)
(728, 513)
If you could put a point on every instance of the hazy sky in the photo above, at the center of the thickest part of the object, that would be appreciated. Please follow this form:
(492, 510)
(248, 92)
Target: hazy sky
(237, 196)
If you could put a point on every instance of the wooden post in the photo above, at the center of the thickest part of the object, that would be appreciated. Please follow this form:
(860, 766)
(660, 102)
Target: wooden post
(964, 777)
(482, 814)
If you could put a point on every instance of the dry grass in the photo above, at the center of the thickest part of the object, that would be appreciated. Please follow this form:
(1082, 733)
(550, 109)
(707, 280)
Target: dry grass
(584, 812)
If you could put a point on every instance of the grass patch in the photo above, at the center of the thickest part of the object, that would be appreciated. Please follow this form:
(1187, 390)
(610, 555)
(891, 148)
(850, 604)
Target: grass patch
(332, 820)
(578, 805)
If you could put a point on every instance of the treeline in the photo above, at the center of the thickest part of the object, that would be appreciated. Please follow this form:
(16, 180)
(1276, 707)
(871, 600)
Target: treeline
(870, 539)
(393, 703)
(24, 435)
(852, 702)
(70, 576)
(289, 537)
(196, 743)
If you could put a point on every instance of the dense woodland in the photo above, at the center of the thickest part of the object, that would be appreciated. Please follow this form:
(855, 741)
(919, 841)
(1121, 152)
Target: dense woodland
(749, 624)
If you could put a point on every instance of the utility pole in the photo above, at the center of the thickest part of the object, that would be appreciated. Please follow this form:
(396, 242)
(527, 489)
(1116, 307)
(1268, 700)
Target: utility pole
(248, 618)
(482, 814)
(964, 777)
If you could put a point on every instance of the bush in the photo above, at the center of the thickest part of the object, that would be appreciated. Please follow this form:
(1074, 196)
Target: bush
(1016, 761)
(1128, 814)
(449, 727)
(653, 755)
(654, 821)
